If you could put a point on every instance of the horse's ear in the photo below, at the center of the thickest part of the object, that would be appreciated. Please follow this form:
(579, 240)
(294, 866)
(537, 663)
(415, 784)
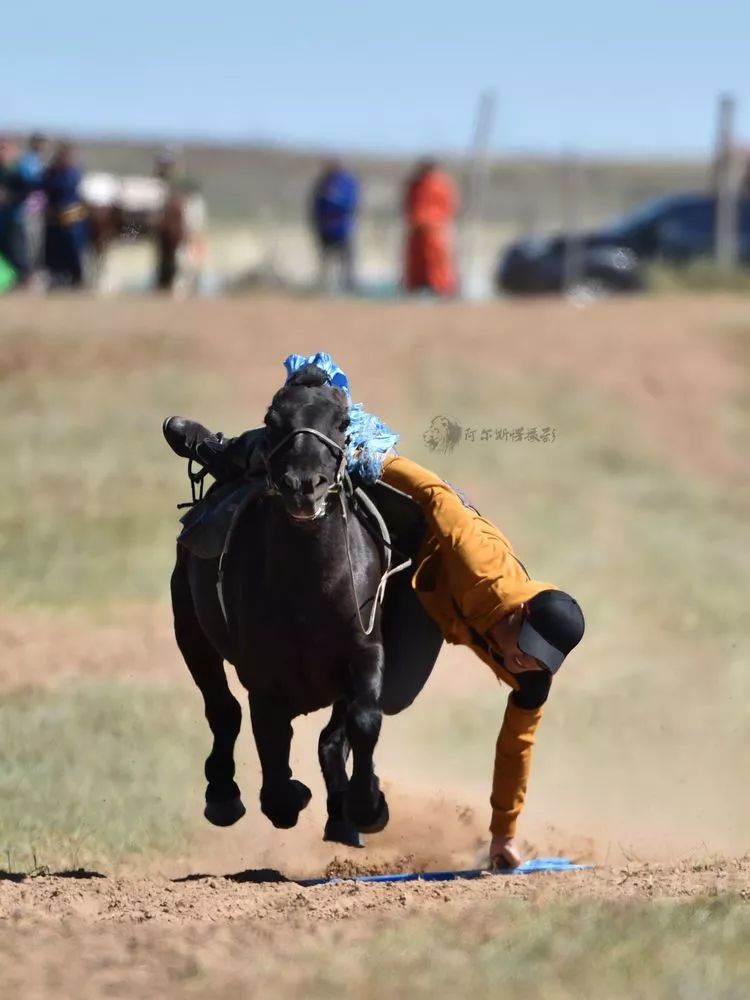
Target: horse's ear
(343, 401)
(272, 418)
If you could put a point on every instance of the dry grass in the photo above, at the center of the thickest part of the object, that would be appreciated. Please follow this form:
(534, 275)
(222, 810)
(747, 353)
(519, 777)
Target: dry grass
(558, 951)
(94, 773)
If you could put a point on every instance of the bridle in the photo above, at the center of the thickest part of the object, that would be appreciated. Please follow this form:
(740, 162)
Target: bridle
(341, 474)
(342, 486)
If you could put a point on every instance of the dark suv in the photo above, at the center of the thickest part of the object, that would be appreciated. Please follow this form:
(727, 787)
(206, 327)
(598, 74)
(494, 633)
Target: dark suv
(676, 229)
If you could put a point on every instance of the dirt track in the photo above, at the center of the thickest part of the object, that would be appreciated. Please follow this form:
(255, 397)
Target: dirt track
(91, 936)
(266, 895)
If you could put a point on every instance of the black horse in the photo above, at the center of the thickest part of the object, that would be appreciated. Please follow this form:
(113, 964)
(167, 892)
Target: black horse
(297, 614)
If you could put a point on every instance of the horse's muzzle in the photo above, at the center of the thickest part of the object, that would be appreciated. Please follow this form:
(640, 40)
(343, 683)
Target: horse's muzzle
(304, 508)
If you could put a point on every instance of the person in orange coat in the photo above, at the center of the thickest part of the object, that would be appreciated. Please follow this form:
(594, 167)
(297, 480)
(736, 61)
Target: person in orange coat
(430, 207)
(474, 586)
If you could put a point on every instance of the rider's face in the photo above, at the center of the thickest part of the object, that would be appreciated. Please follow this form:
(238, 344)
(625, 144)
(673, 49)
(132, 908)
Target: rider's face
(505, 636)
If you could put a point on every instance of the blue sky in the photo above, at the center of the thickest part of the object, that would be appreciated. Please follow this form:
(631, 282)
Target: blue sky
(630, 77)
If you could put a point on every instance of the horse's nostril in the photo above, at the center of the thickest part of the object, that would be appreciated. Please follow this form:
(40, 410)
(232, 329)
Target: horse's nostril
(312, 485)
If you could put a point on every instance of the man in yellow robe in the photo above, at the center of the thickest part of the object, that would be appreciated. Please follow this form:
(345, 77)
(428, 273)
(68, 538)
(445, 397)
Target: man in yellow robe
(475, 588)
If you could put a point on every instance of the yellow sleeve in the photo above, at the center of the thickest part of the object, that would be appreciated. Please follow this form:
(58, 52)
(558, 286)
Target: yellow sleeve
(483, 576)
(512, 766)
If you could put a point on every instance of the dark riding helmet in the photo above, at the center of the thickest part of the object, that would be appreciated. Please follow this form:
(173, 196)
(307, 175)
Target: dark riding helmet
(553, 625)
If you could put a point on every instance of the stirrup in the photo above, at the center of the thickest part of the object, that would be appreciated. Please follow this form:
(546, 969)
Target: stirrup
(197, 484)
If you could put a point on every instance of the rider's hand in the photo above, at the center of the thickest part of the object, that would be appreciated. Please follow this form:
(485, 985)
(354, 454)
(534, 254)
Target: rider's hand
(504, 853)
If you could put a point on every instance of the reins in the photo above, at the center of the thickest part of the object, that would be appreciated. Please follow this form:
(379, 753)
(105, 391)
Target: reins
(342, 480)
(387, 573)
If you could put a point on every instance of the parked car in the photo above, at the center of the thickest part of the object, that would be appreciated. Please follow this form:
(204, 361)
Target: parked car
(676, 229)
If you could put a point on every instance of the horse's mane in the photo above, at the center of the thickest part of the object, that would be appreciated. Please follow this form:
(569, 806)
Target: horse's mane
(308, 375)
(308, 384)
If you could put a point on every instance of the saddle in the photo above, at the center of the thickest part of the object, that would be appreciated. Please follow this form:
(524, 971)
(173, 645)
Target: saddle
(392, 517)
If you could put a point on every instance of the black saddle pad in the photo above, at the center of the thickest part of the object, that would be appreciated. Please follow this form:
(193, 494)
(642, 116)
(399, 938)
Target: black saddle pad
(411, 639)
(402, 515)
(205, 526)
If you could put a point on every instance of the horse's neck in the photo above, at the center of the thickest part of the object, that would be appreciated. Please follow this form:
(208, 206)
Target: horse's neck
(305, 545)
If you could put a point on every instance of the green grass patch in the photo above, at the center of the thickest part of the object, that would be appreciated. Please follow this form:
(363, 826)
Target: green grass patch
(558, 951)
(90, 516)
(94, 772)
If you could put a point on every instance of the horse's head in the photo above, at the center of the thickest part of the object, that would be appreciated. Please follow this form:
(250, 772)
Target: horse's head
(305, 447)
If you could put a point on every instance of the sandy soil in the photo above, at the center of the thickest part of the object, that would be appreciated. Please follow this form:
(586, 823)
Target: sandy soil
(89, 936)
(265, 894)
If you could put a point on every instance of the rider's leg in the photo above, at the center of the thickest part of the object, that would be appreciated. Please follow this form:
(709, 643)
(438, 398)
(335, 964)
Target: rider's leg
(224, 458)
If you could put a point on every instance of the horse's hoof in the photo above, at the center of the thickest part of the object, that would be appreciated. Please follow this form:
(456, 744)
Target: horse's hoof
(340, 831)
(224, 813)
(283, 806)
(375, 824)
(303, 791)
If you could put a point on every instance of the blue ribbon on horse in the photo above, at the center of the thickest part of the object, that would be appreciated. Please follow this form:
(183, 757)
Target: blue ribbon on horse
(369, 440)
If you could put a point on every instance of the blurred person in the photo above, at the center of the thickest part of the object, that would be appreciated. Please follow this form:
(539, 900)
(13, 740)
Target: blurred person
(178, 228)
(468, 579)
(430, 208)
(66, 234)
(334, 202)
(11, 193)
(7, 159)
(31, 212)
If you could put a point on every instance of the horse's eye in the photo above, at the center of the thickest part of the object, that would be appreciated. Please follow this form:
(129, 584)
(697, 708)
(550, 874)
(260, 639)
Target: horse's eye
(344, 425)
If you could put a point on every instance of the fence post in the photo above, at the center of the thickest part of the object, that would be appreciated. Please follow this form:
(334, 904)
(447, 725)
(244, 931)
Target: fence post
(477, 177)
(725, 187)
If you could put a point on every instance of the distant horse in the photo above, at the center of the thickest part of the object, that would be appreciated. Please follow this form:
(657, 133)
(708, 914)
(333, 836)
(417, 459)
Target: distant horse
(106, 226)
(300, 622)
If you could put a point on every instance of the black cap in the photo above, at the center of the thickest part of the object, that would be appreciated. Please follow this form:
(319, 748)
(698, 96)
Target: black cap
(552, 627)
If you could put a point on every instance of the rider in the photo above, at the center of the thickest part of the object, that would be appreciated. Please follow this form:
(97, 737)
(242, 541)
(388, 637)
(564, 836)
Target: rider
(476, 590)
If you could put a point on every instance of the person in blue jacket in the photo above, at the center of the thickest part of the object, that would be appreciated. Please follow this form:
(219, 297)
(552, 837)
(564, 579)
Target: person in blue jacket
(333, 213)
(66, 229)
(30, 217)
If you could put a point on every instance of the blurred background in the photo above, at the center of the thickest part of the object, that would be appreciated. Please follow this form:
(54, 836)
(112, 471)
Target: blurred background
(528, 220)
(573, 152)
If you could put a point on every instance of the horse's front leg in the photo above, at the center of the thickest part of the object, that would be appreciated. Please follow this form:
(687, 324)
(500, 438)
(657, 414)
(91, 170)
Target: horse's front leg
(282, 798)
(223, 802)
(333, 752)
(366, 806)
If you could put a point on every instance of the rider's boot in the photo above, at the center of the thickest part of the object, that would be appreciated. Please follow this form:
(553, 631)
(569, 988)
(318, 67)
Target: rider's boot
(189, 439)
(224, 458)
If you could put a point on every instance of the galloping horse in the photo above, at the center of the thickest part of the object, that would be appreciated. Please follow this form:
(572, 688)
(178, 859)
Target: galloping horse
(297, 614)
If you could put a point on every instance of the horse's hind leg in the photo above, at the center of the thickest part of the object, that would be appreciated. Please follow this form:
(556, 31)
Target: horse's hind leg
(223, 802)
(282, 797)
(366, 806)
(333, 751)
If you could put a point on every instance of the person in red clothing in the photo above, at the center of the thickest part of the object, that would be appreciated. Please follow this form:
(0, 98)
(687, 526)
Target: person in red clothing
(430, 207)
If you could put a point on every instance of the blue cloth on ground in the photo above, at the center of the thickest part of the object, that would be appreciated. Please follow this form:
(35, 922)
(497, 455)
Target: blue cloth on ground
(369, 440)
(527, 868)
